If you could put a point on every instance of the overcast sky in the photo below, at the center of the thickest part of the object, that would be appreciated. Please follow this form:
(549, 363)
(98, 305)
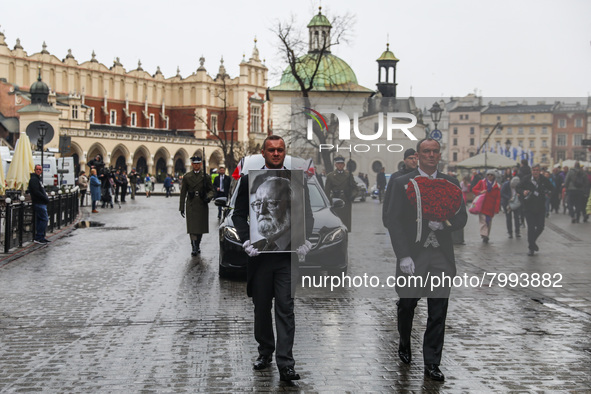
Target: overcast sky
(515, 48)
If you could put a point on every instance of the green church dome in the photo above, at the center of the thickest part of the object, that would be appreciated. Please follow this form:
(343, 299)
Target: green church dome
(333, 74)
(319, 20)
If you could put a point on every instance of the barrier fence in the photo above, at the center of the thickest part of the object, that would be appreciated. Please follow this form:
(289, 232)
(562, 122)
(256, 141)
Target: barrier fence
(18, 218)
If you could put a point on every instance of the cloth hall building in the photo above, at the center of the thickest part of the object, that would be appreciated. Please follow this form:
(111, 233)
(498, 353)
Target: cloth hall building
(132, 118)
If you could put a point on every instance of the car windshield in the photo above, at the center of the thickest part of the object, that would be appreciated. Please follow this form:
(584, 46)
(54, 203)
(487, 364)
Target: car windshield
(316, 200)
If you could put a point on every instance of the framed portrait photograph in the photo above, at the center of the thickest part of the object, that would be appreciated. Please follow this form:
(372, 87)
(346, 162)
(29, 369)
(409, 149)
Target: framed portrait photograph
(276, 210)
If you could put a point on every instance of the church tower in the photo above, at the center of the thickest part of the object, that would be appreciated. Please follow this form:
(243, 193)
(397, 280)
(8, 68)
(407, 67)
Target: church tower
(387, 73)
(319, 33)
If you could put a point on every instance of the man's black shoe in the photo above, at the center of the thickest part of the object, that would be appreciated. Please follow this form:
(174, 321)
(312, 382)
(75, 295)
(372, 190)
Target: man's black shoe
(404, 354)
(40, 241)
(518, 235)
(530, 253)
(536, 249)
(287, 374)
(262, 362)
(432, 371)
(46, 240)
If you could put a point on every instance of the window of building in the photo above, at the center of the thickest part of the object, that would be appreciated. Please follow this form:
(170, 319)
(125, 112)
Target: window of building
(113, 117)
(578, 122)
(520, 143)
(455, 156)
(498, 118)
(561, 139)
(461, 117)
(133, 119)
(577, 139)
(255, 119)
(580, 155)
(471, 154)
(561, 123)
(544, 158)
(509, 130)
(561, 155)
(455, 131)
(532, 143)
(544, 130)
(471, 141)
(214, 123)
(466, 117)
(74, 112)
(532, 130)
(486, 131)
(544, 143)
(471, 130)
(91, 115)
(498, 131)
(532, 117)
(152, 121)
(455, 142)
(520, 131)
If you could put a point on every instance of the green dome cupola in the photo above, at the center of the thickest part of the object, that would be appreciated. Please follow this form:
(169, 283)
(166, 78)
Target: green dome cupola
(319, 31)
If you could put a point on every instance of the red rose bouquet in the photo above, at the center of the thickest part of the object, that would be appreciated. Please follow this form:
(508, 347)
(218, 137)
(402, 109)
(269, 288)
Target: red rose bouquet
(437, 200)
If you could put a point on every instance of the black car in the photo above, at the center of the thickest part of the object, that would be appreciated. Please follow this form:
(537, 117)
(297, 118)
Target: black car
(329, 237)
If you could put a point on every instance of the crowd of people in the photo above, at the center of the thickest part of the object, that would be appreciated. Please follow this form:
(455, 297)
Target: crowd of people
(527, 195)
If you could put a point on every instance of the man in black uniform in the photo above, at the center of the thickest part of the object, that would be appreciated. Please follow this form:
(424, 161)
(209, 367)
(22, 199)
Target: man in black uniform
(432, 254)
(410, 164)
(196, 192)
(340, 184)
(269, 275)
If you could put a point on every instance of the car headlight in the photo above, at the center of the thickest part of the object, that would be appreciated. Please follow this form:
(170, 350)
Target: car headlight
(231, 234)
(334, 236)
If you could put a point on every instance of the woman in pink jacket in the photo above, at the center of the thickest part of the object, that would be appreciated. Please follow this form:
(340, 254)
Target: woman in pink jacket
(492, 202)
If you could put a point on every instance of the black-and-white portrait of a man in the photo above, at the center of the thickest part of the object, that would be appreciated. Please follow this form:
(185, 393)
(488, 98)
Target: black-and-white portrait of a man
(276, 197)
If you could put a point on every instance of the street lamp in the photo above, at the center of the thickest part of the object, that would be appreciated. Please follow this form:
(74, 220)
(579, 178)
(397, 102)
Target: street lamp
(42, 132)
(436, 112)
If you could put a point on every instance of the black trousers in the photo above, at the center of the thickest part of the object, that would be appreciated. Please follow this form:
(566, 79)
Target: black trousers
(430, 261)
(272, 279)
(513, 216)
(535, 226)
(576, 204)
(435, 331)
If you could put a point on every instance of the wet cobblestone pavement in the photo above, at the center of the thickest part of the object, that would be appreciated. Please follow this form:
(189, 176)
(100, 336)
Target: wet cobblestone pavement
(124, 308)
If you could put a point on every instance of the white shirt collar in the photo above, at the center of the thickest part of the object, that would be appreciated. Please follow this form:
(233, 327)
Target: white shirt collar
(423, 173)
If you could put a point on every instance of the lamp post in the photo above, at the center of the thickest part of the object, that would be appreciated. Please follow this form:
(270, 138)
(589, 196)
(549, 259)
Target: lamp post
(436, 112)
(40, 142)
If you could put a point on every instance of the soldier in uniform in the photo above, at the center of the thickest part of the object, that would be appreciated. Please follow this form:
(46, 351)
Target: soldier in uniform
(340, 184)
(197, 191)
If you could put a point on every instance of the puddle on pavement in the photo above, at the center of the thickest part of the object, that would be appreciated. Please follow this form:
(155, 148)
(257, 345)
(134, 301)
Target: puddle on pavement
(88, 223)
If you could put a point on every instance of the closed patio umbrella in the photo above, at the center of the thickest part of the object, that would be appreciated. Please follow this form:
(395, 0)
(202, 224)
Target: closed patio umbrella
(22, 164)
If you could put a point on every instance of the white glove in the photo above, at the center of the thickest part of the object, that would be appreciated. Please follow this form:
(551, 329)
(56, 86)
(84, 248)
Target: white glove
(303, 250)
(250, 250)
(407, 266)
(436, 226)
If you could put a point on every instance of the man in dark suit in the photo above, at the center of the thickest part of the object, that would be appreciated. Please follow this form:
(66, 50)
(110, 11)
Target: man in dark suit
(431, 255)
(533, 189)
(221, 185)
(269, 275)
